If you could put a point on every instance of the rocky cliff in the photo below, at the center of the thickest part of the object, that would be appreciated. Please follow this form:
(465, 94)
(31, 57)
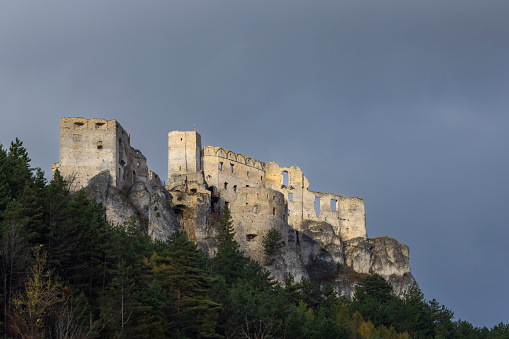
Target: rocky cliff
(315, 252)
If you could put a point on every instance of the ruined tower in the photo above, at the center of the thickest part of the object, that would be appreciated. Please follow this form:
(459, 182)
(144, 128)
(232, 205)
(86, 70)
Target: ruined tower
(184, 153)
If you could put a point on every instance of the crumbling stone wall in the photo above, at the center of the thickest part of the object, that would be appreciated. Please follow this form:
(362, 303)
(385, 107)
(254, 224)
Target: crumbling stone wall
(345, 214)
(184, 152)
(255, 211)
(91, 146)
(226, 172)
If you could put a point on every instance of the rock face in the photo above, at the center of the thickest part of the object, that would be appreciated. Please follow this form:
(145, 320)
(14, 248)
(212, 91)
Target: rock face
(324, 233)
(148, 204)
(321, 256)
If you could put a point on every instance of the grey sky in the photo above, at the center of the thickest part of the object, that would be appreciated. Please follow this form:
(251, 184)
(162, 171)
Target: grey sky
(402, 103)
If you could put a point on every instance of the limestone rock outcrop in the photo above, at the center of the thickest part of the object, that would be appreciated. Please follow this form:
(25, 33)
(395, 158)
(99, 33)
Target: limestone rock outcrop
(149, 205)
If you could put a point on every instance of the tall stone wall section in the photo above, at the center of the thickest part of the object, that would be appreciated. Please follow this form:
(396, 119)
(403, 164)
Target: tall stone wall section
(256, 211)
(91, 146)
(227, 172)
(184, 153)
(345, 214)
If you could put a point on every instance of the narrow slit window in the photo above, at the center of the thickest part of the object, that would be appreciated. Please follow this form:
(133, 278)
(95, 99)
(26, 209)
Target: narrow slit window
(290, 196)
(247, 174)
(235, 188)
(317, 206)
(225, 186)
(138, 164)
(220, 166)
(231, 168)
(273, 211)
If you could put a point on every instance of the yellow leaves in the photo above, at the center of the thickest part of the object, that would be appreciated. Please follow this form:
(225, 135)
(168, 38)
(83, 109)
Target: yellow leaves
(41, 292)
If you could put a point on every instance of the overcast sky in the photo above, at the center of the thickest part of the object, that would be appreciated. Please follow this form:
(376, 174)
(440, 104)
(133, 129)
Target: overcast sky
(402, 103)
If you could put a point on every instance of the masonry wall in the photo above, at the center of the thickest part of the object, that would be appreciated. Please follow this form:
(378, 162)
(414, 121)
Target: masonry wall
(184, 153)
(345, 214)
(226, 172)
(90, 146)
(255, 211)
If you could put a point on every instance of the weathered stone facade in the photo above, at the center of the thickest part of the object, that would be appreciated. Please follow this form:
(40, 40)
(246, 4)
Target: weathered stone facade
(225, 172)
(324, 234)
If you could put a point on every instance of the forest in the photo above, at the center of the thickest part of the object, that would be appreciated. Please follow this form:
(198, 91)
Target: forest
(68, 273)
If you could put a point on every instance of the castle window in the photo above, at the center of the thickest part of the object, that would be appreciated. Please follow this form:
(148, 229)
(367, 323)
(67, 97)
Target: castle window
(138, 164)
(290, 196)
(333, 204)
(288, 212)
(247, 185)
(78, 124)
(273, 211)
(285, 178)
(225, 186)
(193, 190)
(250, 237)
(231, 168)
(317, 206)
(99, 145)
(99, 125)
(220, 166)
(247, 174)
(235, 188)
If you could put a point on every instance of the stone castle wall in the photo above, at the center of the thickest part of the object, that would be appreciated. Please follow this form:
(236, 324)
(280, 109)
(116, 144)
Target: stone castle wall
(255, 211)
(91, 146)
(226, 172)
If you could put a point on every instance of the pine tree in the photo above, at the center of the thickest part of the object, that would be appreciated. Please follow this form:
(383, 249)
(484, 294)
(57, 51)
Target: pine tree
(229, 260)
(194, 314)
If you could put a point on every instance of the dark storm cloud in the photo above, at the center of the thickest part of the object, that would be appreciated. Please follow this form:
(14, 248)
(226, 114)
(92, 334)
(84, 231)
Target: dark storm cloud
(401, 103)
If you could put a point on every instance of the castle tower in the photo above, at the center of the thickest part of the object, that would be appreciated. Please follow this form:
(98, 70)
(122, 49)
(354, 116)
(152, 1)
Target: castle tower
(184, 153)
(90, 146)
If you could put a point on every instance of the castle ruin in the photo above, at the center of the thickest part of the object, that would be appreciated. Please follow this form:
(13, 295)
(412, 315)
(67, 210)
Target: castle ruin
(324, 233)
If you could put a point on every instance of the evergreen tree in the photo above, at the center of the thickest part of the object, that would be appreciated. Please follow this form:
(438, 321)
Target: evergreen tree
(193, 313)
(229, 260)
